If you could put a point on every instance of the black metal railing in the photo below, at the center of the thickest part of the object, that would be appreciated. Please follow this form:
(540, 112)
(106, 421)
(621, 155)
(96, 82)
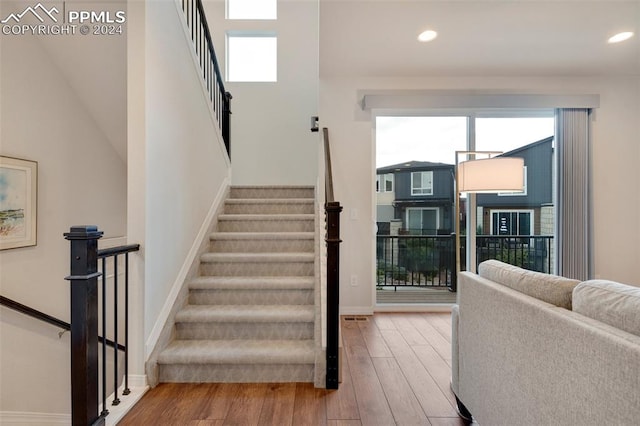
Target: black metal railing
(201, 37)
(429, 260)
(90, 309)
(415, 260)
(109, 259)
(533, 252)
(332, 210)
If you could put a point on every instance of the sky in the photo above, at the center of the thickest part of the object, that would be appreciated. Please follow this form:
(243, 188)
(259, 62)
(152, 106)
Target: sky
(435, 139)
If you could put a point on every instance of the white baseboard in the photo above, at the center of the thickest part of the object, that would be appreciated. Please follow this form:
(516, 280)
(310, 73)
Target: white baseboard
(138, 386)
(138, 380)
(184, 270)
(22, 418)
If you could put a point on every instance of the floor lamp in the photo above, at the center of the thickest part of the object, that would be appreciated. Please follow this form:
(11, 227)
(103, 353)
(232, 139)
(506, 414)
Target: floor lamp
(486, 175)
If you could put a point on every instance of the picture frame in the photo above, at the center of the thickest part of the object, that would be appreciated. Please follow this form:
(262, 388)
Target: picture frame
(18, 202)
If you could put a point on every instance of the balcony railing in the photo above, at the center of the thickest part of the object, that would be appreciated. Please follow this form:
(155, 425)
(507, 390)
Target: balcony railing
(421, 260)
(429, 260)
(533, 252)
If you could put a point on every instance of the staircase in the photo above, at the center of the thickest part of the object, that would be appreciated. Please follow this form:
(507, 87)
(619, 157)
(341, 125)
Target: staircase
(250, 315)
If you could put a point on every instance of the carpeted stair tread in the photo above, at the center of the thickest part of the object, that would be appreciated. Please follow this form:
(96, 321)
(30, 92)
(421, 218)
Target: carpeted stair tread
(269, 201)
(266, 217)
(251, 311)
(246, 313)
(238, 352)
(251, 283)
(275, 192)
(257, 257)
(261, 235)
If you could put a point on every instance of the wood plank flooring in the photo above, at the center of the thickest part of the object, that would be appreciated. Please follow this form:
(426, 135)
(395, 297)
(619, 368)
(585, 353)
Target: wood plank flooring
(396, 371)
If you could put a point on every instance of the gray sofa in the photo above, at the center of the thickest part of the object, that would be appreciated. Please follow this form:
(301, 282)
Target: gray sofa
(536, 349)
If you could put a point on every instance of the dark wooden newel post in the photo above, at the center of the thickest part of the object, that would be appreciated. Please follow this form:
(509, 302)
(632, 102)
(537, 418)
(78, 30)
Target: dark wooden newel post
(84, 324)
(333, 210)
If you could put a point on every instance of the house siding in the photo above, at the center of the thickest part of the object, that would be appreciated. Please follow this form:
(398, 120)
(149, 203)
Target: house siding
(538, 158)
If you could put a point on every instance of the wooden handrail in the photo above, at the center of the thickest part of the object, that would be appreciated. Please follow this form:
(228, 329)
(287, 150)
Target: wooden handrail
(112, 251)
(34, 313)
(328, 176)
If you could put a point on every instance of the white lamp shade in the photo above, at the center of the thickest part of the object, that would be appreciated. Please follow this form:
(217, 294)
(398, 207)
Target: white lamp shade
(498, 174)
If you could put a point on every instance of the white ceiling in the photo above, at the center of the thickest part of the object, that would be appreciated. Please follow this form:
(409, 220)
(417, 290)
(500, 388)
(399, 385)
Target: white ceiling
(480, 37)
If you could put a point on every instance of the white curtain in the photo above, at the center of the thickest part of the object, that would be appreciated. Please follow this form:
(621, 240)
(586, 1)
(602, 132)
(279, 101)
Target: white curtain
(573, 132)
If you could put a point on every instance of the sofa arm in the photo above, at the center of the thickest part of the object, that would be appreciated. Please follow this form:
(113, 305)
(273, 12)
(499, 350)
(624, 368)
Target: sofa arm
(455, 316)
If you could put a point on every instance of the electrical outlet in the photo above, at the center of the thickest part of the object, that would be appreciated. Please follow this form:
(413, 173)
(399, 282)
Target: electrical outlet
(354, 280)
(354, 214)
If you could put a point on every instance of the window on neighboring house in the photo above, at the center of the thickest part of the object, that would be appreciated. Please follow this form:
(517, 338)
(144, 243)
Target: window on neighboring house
(252, 57)
(423, 221)
(384, 183)
(252, 9)
(422, 183)
(516, 193)
(512, 222)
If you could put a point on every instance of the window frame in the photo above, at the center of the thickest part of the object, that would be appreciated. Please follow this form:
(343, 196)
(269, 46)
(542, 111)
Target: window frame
(238, 16)
(422, 189)
(421, 210)
(382, 180)
(250, 35)
(532, 217)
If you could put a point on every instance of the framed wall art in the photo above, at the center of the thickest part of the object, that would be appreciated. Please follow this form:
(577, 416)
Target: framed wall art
(18, 202)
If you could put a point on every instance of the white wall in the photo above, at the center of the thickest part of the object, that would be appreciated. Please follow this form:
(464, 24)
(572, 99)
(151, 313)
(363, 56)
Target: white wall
(81, 180)
(616, 153)
(186, 166)
(270, 137)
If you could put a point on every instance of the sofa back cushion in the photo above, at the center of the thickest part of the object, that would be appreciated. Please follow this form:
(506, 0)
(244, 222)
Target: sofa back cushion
(552, 289)
(612, 303)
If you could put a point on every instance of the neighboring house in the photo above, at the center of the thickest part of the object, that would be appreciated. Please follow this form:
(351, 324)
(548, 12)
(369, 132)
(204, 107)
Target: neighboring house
(419, 193)
(529, 212)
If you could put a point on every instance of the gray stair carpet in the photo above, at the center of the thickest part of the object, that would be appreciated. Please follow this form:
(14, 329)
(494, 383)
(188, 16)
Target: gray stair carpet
(251, 311)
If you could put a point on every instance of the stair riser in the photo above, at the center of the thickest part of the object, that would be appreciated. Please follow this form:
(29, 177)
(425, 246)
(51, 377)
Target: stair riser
(273, 269)
(276, 208)
(251, 297)
(230, 225)
(235, 373)
(261, 331)
(260, 193)
(261, 246)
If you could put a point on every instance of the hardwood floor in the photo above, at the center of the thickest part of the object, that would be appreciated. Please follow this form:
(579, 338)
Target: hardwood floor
(396, 371)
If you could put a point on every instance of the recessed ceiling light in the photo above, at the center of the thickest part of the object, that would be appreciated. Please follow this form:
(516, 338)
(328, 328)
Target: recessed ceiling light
(426, 36)
(620, 37)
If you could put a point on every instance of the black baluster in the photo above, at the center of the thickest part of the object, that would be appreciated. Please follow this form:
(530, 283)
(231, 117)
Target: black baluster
(116, 400)
(104, 337)
(126, 390)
